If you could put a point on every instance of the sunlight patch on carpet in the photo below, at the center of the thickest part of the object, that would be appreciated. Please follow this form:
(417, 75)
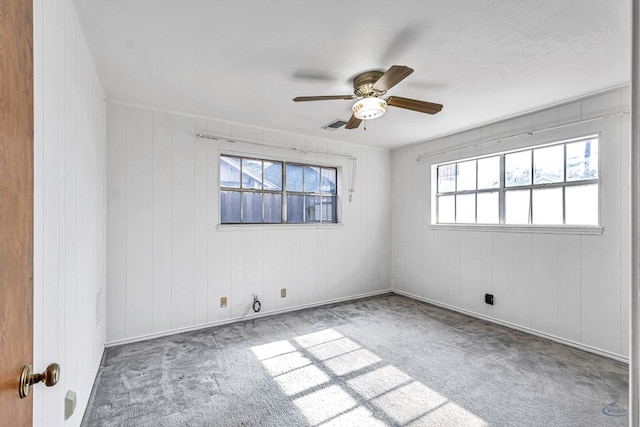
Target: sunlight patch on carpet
(356, 417)
(333, 348)
(382, 380)
(351, 362)
(273, 349)
(302, 379)
(447, 415)
(409, 402)
(287, 362)
(325, 404)
(334, 381)
(315, 338)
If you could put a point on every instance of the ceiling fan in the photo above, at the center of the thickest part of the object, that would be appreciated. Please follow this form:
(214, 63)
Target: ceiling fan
(369, 87)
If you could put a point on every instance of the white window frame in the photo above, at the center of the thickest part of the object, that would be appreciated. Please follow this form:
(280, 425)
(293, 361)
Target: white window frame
(280, 225)
(528, 228)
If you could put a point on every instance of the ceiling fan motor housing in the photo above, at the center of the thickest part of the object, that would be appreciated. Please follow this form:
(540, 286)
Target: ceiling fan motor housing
(371, 105)
(363, 84)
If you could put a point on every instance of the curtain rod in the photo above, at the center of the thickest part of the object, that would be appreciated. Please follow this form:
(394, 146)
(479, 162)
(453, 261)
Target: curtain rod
(354, 159)
(528, 133)
(260, 144)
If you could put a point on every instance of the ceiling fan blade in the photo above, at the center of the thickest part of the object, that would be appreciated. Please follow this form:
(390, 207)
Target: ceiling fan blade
(392, 77)
(322, 98)
(353, 122)
(414, 104)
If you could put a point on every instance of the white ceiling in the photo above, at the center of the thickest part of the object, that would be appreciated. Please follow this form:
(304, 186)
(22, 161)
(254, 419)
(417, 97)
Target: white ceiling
(244, 60)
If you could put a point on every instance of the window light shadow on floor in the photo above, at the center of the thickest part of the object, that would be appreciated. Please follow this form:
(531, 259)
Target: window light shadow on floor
(309, 370)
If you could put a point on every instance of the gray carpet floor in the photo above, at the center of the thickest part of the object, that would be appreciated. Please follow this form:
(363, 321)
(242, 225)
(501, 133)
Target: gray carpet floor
(381, 361)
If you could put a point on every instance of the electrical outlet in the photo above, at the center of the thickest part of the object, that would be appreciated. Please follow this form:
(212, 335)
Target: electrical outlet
(223, 302)
(488, 299)
(283, 293)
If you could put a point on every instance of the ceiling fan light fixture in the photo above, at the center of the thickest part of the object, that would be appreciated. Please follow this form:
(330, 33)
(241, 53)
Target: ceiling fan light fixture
(369, 108)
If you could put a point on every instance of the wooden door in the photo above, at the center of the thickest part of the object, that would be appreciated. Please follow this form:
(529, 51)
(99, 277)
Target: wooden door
(16, 206)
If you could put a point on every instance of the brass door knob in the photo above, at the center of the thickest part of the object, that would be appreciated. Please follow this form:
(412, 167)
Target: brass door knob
(49, 377)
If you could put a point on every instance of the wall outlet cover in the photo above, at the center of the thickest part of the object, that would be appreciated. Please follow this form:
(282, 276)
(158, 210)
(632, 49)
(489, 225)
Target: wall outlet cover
(488, 298)
(223, 302)
(69, 404)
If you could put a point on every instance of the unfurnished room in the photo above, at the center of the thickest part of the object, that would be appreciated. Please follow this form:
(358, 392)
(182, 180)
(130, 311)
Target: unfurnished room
(286, 213)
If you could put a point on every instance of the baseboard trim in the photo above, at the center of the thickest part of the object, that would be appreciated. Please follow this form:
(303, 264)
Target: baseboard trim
(147, 337)
(510, 325)
(530, 331)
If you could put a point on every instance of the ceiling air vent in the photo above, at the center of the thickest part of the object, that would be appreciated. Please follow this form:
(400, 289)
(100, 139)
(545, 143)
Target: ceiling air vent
(336, 124)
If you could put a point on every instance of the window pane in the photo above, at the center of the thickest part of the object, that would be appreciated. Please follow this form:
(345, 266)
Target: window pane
(294, 177)
(547, 206)
(489, 173)
(466, 208)
(251, 173)
(581, 204)
(483, 190)
(548, 164)
(312, 208)
(272, 175)
(329, 180)
(252, 208)
(229, 172)
(582, 160)
(467, 176)
(295, 208)
(446, 209)
(311, 179)
(517, 169)
(230, 207)
(446, 178)
(516, 207)
(329, 209)
(265, 183)
(488, 208)
(272, 207)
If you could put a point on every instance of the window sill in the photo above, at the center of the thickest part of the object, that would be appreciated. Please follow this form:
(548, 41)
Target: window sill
(272, 227)
(543, 229)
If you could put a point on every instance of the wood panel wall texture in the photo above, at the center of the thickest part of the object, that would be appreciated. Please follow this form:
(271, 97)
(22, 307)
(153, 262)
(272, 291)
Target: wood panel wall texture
(573, 287)
(169, 263)
(70, 211)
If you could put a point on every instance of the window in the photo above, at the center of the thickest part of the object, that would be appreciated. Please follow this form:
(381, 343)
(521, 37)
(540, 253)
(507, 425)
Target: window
(555, 184)
(260, 191)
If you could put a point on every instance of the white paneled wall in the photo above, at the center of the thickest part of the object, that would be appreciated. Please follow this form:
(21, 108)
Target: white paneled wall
(169, 262)
(571, 287)
(69, 212)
